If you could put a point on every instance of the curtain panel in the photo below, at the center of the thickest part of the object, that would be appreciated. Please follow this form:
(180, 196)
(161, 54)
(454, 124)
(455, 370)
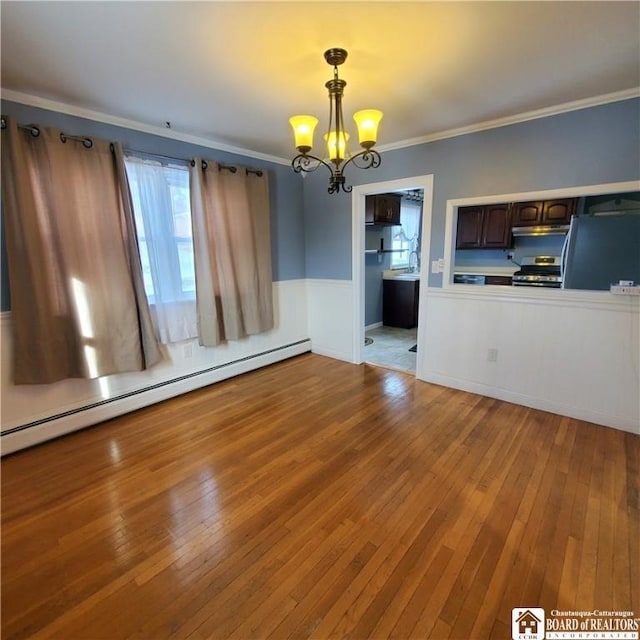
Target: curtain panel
(232, 252)
(77, 301)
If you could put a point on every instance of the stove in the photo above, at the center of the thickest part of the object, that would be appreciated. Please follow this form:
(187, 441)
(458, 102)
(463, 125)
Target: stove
(539, 271)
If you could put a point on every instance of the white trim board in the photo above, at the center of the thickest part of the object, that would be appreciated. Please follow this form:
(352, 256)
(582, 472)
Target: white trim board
(546, 112)
(561, 409)
(577, 356)
(98, 116)
(329, 325)
(424, 182)
(67, 422)
(67, 405)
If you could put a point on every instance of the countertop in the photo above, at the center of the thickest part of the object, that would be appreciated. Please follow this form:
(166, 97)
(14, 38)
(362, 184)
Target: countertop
(398, 274)
(485, 271)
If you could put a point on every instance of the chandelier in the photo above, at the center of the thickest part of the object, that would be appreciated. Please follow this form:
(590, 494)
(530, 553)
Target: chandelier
(336, 137)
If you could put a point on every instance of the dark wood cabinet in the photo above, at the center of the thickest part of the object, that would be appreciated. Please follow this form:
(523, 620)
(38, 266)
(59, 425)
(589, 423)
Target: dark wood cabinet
(496, 227)
(526, 214)
(486, 227)
(558, 211)
(489, 226)
(400, 303)
(529, 214)
(469, 235)
(383, 209)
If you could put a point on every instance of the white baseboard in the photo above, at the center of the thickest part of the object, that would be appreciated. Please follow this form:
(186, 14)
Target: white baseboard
(575, 355)
(332, 353)
(35, 413)
(375, 325)
(534, 402)
(30, 434)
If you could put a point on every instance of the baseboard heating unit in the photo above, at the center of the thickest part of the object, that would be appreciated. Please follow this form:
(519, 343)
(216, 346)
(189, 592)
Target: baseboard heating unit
(57, 424)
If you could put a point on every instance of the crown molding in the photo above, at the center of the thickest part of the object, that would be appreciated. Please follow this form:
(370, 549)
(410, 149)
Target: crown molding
(566, 107)
(99, 116)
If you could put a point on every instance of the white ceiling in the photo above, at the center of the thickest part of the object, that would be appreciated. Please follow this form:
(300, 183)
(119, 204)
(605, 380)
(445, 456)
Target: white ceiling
(233, 72)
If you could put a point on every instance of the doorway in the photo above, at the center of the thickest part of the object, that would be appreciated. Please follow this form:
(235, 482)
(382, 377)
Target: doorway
(424, 184)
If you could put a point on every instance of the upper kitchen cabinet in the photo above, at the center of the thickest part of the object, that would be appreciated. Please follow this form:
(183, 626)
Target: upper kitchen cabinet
(530, 214)
(485, 227)
(558, 211)
(469, 234)
(383, 208)
(496, 228)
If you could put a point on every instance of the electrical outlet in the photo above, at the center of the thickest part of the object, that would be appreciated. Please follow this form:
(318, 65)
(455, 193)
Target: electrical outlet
(435, 267)
(188, 350)
(441, 265)
(510, 255)
(492, 355)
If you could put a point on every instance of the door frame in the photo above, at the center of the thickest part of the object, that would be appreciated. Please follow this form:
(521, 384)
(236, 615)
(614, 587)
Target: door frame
(424, 182)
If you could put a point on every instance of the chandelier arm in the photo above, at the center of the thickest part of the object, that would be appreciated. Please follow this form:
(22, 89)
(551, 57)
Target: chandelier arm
(370, 157)
(302, 161)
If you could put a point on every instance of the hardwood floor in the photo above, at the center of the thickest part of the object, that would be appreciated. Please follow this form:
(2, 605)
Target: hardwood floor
(318, 499)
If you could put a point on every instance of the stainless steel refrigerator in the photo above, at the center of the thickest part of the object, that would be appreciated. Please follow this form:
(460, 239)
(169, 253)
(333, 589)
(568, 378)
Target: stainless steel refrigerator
(601, 250)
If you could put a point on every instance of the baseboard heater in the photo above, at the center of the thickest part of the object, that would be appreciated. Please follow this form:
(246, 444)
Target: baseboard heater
(153, 387)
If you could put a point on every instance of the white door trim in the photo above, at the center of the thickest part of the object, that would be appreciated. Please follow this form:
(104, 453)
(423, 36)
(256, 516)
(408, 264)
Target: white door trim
(358, 244)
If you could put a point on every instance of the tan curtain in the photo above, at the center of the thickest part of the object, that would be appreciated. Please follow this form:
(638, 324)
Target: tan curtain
(232, 252)
(77, 308)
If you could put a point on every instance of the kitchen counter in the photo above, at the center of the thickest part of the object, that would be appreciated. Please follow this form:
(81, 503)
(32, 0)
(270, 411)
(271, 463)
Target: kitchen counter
(395, 274)
(485, 271)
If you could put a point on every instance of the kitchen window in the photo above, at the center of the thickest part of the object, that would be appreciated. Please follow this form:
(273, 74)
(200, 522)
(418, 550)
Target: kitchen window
(404, 238)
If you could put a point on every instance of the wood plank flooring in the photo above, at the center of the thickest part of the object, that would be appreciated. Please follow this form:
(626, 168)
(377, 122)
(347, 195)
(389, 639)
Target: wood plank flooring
(317, 499)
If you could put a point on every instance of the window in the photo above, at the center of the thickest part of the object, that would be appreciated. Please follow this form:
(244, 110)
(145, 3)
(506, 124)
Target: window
(162, 211)
(404, 239)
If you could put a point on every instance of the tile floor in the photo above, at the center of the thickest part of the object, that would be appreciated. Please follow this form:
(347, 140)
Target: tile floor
(390, 348)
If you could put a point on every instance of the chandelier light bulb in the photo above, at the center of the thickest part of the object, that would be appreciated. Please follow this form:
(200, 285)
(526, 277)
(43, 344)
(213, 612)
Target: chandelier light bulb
(367, 121)
(303, 128)
(336, 152)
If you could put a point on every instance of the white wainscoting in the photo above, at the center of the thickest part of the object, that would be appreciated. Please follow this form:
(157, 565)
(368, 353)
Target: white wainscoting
(73, 404)
(329, 311)
(572, 353)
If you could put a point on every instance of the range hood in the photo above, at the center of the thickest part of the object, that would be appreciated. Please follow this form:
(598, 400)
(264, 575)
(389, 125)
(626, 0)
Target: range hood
(542, 230)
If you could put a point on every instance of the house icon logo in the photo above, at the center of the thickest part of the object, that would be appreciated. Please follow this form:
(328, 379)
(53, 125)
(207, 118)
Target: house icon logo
(527, 623)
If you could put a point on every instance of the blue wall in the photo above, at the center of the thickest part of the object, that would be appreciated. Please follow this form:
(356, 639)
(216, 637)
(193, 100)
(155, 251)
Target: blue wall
(311, 230)
(590, 146)
(374, 265)
(286, 188)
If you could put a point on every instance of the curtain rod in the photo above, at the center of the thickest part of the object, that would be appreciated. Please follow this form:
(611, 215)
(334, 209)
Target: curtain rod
(192, 162)
(88, 143)
(229, 167)
(34, 130)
